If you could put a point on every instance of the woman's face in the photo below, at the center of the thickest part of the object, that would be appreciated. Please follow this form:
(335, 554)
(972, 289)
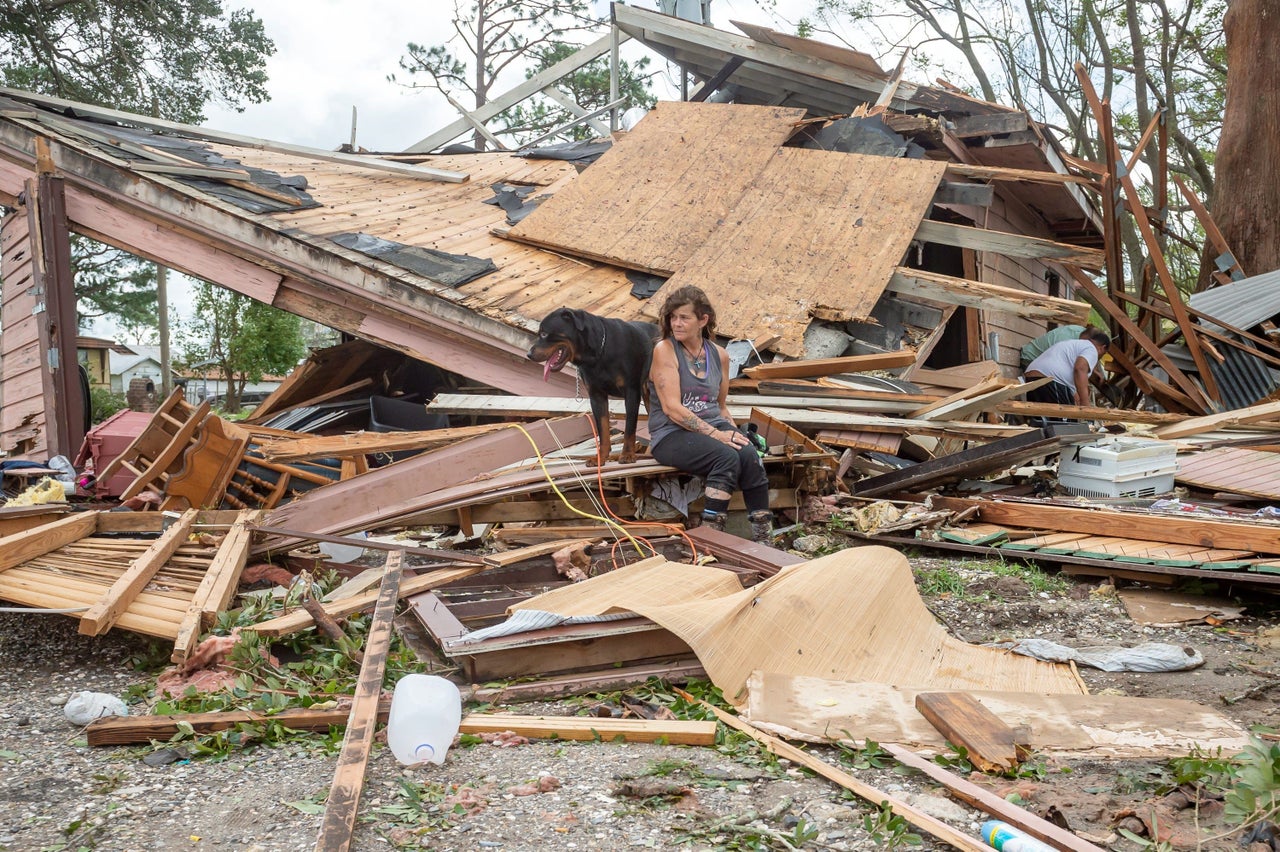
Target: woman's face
(687, 325)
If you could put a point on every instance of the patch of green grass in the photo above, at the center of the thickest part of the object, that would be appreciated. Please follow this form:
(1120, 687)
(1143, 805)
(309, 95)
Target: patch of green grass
(1036, 579)
(937, 582)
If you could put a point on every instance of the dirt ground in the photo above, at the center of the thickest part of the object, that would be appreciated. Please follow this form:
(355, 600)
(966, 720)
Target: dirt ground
(57, 793)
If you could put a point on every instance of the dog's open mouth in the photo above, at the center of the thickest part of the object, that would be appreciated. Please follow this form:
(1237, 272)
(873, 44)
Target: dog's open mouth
(556, 362)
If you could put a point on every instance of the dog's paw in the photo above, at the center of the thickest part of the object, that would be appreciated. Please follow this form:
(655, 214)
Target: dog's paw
(626, 457)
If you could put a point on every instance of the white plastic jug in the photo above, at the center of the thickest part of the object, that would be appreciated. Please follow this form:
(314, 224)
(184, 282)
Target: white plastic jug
(425, 713)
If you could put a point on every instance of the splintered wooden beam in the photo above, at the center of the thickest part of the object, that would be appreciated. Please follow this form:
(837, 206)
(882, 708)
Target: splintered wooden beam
(37, 541)
(103, 614)
(1154, 250)
(832, 366)
(964, 722)
(1011, 245)
(344, 796)
(991, 297)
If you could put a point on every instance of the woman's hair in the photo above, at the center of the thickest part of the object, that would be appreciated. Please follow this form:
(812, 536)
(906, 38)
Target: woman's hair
(694, 298)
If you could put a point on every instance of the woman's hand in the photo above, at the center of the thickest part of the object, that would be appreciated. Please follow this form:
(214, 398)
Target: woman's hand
(732, 437)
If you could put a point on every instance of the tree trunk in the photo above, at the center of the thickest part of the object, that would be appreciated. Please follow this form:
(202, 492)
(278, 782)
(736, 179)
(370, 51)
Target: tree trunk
(1246, 198)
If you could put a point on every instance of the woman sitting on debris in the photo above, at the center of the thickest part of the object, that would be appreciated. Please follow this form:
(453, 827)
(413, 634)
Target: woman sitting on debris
(689, 426)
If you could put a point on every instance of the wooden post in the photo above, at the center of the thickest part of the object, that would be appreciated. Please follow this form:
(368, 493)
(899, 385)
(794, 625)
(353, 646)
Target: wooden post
(344, 796)
(1153, 248)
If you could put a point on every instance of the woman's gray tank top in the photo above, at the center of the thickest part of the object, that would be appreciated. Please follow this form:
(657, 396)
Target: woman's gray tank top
(701, 396)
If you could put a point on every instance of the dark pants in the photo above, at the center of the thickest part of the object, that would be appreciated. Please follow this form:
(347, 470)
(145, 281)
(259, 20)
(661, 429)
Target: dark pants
(726, 468)
(1055, 393)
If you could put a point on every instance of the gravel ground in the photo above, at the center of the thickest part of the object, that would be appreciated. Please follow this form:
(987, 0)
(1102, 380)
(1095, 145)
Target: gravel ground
(57, 793)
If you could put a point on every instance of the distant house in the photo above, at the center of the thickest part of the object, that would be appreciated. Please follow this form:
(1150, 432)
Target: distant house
(94, 354)
(135, 362)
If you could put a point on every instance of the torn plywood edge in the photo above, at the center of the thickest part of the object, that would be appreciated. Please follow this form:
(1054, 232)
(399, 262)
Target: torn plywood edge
(816, 229)
(819, 710)
(855, 614)
(154, 583)
(663, 188)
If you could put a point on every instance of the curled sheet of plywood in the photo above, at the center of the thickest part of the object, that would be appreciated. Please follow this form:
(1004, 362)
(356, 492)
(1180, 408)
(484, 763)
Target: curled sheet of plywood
(853, 615)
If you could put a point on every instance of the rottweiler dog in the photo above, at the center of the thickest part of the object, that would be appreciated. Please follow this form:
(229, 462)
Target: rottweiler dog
(612, 358)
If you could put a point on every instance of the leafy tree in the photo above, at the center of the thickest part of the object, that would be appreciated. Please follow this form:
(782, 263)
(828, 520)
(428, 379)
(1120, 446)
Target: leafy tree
(1144, 56)
(167, 59)
(588, 87)
(113, 283)
(495, 39)
(243, 339)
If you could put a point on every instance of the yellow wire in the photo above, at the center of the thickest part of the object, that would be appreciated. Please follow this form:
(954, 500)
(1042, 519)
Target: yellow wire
(572, 508)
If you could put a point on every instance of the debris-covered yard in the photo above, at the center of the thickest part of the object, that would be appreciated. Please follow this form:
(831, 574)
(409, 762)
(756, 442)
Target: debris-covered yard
(210, 792)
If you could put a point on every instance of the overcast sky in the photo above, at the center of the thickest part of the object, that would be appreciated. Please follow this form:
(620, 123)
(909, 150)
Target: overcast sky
(332, 55)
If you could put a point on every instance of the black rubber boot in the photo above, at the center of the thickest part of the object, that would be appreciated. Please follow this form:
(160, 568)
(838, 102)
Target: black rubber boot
(714, 520)
(761, 526)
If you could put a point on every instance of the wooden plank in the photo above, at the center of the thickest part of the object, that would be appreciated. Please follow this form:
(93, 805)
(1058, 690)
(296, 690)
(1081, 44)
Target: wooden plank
(349, 506)
(988, 802)
(105, 612)
(1154, 251)
(1016, 175)
(660, 191)
(986, 385)
(1008, 244)
(801, 222)
(300, 619)
(832, 366)
(1087, 412)
(1236, 417)
(348, 779)
(121, 730)
(218, 585)
(987, 400)
(959, 377)
(973, 461)
(964, 722)
(1117, 314)
(566, 534)
(1178, 529)
(583, 728)
(967, 126)
(782, 748)
(975, 294)
(26, 545)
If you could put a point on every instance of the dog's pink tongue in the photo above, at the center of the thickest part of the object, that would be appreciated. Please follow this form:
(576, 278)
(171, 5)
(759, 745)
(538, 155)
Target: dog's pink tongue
(546, 369)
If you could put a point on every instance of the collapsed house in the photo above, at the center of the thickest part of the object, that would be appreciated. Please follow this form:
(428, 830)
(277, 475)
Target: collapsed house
(881, 250)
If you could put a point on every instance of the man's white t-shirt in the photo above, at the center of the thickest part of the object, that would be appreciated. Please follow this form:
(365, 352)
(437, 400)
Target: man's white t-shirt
(1058, 362)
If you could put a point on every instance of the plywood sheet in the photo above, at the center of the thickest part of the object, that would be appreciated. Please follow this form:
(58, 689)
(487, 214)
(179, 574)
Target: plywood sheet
(853, 615)
(817, 229)
(1239, 470)
(663, 188)
(1112, 725)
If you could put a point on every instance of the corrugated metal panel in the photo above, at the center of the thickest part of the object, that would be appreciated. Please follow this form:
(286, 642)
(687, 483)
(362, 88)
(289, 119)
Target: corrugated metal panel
(1243, 303)
(1242, 378)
